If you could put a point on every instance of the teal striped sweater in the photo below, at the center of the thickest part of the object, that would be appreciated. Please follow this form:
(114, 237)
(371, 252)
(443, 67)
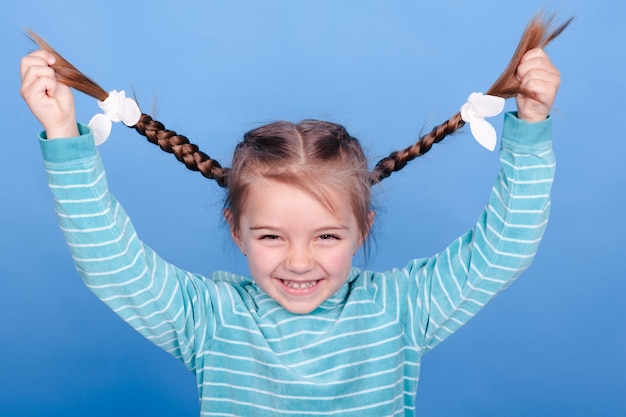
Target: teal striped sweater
(359, 353)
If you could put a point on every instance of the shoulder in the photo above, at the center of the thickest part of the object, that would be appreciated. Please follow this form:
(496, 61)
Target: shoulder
(233, 292)
(389, 288)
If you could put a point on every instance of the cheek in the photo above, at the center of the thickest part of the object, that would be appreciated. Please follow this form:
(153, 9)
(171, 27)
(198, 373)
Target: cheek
(339, 260)
(262, 261)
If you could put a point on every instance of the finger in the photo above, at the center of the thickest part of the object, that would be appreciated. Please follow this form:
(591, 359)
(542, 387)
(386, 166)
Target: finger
(538, 103)
(35, 72)
(38, 84)
(41, 88)
(29, 62)
(542, 91)
(534, 53)
(535, 59)
(47, 56)
(537, 68)
(37, 58)
(539, 72)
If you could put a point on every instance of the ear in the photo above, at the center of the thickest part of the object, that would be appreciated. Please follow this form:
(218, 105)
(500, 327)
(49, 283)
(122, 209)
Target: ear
(234, 231)
(371, 215)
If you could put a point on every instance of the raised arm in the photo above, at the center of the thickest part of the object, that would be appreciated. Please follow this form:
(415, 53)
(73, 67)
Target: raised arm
(169, 306)
(453, 286)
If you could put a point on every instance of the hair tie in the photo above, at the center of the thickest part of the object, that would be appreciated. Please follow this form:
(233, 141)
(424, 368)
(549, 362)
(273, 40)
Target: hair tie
(474, 111)
(117, 108)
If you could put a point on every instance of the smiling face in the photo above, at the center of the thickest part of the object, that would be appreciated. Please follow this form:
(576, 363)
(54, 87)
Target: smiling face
(299, 252)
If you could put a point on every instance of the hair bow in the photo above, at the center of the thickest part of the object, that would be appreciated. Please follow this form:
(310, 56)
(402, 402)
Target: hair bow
(474, 111)
(117, 108)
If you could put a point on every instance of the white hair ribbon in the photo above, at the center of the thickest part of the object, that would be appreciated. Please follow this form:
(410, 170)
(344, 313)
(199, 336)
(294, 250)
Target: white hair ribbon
(117, 108)
(474, 111)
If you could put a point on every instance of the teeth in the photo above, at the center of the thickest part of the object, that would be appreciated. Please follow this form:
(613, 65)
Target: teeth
(299, 285)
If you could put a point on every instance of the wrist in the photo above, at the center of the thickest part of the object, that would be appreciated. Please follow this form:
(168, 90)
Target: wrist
(521, 135)
(531, 118)
(68, 129)
(68, 149)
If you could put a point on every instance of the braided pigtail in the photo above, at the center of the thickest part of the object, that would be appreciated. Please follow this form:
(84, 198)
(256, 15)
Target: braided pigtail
(398, 159)
(154, 131)
(536, 35)
(185, 151)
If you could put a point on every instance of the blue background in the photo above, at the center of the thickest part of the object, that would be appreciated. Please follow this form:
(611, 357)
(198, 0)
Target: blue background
(551, 345)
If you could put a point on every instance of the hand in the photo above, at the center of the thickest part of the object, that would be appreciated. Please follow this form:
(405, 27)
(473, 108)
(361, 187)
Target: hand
(51, 102)
(538, 75)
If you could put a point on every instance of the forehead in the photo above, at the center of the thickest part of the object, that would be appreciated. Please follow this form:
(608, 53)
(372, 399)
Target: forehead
(270, 198)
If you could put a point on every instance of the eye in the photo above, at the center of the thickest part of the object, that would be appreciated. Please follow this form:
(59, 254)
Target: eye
(328, 236)
(269, 237)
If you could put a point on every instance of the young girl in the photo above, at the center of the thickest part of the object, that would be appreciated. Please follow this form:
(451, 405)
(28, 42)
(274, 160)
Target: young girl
(306, 334)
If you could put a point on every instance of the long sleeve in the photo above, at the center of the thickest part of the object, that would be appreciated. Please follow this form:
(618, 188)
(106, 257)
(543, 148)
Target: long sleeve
(359, 354)
(156, 298)
(450, 288)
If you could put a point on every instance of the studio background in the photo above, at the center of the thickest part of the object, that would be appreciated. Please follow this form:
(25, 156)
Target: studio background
(553, 344)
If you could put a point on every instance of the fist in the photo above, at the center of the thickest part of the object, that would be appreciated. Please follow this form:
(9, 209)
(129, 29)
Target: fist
(538, 75)
(51, 102)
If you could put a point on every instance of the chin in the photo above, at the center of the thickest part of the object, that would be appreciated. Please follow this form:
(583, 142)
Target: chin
(300, 309)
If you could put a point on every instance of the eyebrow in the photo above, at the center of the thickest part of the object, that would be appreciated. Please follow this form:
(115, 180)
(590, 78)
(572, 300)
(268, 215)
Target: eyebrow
(318, 230)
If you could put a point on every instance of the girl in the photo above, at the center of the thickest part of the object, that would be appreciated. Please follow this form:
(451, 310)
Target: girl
(306, 334)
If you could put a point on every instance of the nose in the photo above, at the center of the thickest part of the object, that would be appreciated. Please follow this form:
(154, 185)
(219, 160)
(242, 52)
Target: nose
(299, 259)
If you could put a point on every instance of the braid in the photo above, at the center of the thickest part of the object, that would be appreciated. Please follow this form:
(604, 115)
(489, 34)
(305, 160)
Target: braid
(536, 35)
(398, 159)
(154, 131)
(185, 151)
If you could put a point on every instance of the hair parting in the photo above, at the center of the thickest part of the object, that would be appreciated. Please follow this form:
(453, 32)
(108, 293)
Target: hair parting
(538, 34)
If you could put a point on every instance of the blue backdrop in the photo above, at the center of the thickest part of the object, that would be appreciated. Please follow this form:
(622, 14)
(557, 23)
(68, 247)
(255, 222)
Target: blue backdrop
(551, 345)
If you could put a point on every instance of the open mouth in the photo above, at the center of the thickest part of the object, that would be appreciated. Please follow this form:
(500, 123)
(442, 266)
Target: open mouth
(299, 285)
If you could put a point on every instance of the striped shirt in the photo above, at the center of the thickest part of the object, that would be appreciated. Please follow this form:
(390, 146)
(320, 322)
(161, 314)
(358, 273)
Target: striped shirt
(359, 353)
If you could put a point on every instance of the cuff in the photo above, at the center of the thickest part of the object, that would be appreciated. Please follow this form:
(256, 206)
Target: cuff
(68, 149)
(519, 134)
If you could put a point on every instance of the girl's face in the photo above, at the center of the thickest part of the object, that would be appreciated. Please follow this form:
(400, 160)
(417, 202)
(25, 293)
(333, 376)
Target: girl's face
(298, 251)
